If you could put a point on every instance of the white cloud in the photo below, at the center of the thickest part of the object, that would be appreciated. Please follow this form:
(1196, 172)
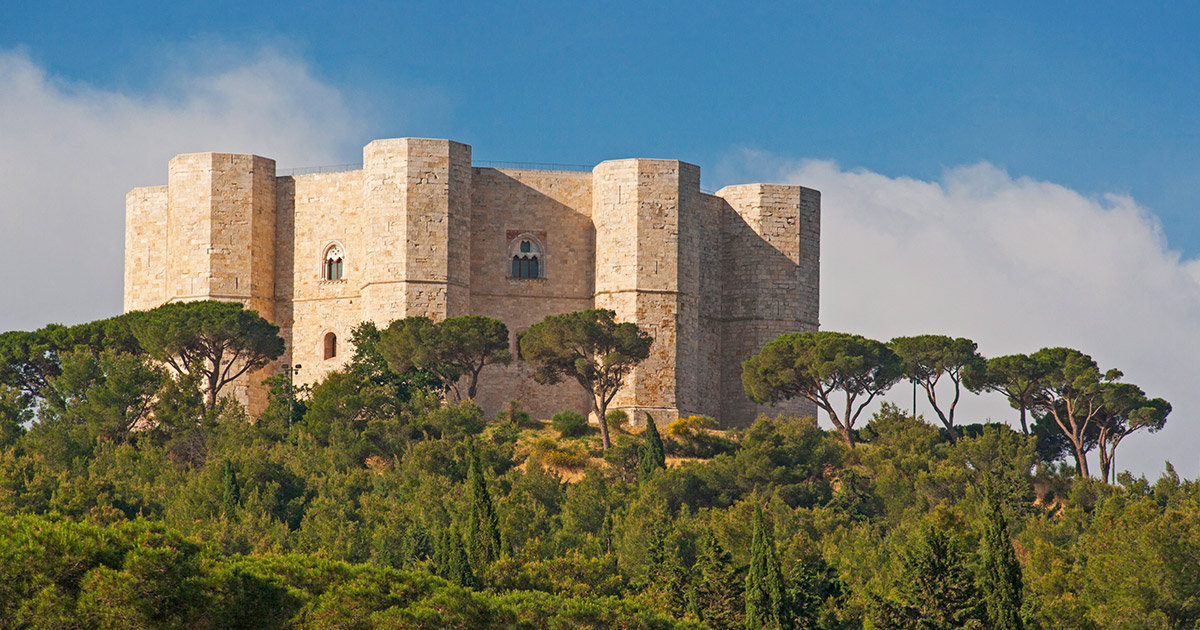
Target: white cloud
(69, 152)
(1015, 264)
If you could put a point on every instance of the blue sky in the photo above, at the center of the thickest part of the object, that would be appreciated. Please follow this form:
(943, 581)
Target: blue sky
(1023, 174)
(1097, 96)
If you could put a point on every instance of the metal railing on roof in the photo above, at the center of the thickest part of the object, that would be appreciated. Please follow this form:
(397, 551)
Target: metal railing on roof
(312, 170)
(535, 166)
(530, 166)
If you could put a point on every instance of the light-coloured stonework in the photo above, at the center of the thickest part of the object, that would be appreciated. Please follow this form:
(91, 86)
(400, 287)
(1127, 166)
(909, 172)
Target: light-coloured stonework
(712, 277)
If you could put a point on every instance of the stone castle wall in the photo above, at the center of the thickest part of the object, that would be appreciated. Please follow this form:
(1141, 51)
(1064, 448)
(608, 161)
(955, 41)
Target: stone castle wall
(711, 277)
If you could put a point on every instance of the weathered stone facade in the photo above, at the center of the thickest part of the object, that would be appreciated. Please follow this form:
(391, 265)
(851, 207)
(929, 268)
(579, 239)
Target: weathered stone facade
(711, 276)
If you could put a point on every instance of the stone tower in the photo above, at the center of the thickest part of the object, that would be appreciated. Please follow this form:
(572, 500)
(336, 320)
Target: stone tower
(770, 258)
(417, 199)
(213, 238)
(648, 222)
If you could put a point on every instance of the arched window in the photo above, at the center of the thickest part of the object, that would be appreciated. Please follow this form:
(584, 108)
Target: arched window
(527, 258)
(334, 262)
(330, 345)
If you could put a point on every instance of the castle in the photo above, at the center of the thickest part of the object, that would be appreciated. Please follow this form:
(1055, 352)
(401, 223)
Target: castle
(419, 230)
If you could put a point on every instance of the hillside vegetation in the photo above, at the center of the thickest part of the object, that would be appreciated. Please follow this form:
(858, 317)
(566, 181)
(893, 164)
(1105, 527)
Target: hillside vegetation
(134, 500)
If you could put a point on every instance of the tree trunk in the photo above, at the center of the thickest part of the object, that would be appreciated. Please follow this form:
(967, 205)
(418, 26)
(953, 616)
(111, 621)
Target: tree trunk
(601, 408)
(947, 421)
(474, 384)
(952, 431)
(847, 436)
(212, 389)
(1081, 465)
(1105, 462)
(1024, 426)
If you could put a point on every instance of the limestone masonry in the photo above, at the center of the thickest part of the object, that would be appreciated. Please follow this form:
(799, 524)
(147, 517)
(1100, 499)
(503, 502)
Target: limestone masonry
(420, 231)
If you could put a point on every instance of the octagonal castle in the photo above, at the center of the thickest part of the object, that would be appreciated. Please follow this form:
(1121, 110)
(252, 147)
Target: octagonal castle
(420, 231)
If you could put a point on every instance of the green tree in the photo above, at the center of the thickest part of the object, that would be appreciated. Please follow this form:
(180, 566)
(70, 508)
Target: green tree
(651, 454)
(716, 596)
(934, 590)
(766, 595)
(110, 393)
(231, 490)
(456, 565)
(29, 359)
(1073, 396)
(15, 411)
(815, 365)
(927, 358)
(484, 527)
(1126, 410)
(666, 582)
(1018, 377)
(1000, 572)
(590, 347)
(219, 341)
(452, 349)
(368, 363)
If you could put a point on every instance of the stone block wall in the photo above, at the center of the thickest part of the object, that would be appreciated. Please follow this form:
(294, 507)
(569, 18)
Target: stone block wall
(648, 235)
(555, 209)
(314, 212)
(765, 289)
(417, 202)
(145, 248)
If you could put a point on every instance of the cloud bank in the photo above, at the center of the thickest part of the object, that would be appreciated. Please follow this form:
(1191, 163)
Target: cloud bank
(1015, 264)
(69, 152)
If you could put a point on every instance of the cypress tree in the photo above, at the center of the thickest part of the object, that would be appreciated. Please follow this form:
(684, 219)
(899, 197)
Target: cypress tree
(441, 557)
(1000, 573)
(651, 455)
(766, 596)
(231, 492)
(665, 579)
(458, 569)
(935, 588)
(484, 526)
(718, 596)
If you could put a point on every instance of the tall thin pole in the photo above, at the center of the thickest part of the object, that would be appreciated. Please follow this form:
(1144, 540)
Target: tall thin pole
(291, 371)
(291, 394)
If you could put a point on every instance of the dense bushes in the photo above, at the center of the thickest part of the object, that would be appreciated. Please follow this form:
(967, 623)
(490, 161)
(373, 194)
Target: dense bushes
(569, 423)
(341, 514)
(55, 573)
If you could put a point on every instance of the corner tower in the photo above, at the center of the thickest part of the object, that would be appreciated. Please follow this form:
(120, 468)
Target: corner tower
(770, 263)
(208, 235)
(417, 204)
(647, 217)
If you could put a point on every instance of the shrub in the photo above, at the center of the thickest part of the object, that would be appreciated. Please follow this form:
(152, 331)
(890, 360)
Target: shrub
(572, 457)
(617, 419)
(569, 423)
(694, 438)
(514, 415)
(690, 426)
(622, 457)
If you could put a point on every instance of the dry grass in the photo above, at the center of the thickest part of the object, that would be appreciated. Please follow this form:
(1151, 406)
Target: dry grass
(542, 430)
